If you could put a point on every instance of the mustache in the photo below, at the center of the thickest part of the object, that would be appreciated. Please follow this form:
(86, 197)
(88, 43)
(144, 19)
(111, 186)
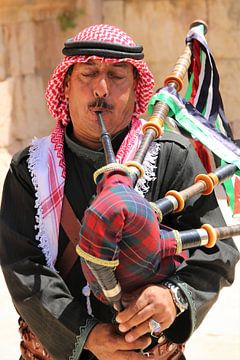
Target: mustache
(99, 103)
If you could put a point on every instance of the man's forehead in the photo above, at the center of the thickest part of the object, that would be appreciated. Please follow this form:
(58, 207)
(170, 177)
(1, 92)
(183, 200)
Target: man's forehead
(98, 63)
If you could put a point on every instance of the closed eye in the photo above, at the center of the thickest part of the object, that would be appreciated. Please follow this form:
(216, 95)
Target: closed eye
(113, 75)
(91, 74)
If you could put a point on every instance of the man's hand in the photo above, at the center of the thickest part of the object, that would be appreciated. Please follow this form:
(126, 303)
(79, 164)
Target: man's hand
(153, 302)
(106, 344)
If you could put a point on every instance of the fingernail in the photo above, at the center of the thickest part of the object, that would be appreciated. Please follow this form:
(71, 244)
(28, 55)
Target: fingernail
(117, 319)
(122, 328)
(129, 338)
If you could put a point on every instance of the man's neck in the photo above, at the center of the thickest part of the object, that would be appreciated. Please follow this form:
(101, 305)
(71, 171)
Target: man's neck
(88, 143)
(97, 145)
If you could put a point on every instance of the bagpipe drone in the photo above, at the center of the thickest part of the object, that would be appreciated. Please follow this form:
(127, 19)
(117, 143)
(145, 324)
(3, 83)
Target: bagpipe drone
(122, 246)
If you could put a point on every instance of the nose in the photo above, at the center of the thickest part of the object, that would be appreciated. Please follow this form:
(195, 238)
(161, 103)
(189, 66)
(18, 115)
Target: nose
(101, 88)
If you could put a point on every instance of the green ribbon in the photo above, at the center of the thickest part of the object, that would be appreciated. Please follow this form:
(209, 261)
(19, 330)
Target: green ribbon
(196, 129)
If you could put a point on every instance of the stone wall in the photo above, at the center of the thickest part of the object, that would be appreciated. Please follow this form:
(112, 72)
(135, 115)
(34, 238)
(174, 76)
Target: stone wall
(31, 37)
(32, 33)
(161, 26)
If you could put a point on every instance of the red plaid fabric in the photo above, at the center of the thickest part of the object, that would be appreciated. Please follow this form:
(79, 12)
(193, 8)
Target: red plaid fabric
(121, 229)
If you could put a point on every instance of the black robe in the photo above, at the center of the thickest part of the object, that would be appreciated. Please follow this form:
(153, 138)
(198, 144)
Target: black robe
(56, 309)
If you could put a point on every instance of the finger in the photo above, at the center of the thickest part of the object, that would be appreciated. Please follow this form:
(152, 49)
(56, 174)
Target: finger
(137, 332)
(132, 309)
(144, 328)
(142, 316)
(139, 342)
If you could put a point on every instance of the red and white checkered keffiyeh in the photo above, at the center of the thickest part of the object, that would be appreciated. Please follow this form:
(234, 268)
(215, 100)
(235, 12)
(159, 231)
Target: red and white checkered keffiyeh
(56, 101)
(49, 185)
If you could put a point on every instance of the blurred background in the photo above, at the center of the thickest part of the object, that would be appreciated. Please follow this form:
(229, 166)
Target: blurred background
(32, 33)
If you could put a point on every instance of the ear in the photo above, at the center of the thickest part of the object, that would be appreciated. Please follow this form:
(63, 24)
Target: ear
(66, 85)
(135, 77)
(135, 83)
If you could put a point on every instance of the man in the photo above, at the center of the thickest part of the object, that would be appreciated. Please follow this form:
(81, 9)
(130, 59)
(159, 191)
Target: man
(50, 184)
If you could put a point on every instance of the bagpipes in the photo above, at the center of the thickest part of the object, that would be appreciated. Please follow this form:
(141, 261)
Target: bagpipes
(122, 246)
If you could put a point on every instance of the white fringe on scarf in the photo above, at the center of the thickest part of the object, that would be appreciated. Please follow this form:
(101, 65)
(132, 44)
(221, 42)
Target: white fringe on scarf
(42, 163)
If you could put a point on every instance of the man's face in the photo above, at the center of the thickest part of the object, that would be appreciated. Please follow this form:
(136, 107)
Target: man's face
(99, 86)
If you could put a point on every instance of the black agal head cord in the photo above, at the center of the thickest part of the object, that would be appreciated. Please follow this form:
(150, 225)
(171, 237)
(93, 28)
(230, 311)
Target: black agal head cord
(103, 49)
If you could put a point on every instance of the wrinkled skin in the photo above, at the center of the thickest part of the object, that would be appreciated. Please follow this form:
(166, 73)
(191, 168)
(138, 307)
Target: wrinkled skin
(112, 82)
(152, 302)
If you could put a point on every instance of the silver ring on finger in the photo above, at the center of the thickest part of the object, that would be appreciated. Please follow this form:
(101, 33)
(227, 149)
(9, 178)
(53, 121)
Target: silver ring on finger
(155, 328)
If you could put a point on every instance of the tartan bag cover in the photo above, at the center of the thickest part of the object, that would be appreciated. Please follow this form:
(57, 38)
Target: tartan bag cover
(120, 229)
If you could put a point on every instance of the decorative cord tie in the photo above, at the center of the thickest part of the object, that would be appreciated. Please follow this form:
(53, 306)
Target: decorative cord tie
(109, 168)
(96, 260)
(157, 211)
(138, 167)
